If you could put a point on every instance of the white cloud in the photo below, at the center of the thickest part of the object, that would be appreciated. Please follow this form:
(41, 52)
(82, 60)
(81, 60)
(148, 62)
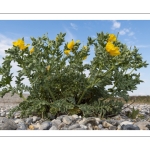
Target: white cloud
(69, 36)
(142, 46)
(74, 26)
(5, 43)
(116, 25)
(123, 32)
(131, 33)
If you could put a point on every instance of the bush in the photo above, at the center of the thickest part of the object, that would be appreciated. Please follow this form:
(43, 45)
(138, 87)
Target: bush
(58, 84)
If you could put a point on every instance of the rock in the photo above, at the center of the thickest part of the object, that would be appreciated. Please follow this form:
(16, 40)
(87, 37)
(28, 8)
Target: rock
(56, 122)
(112, 128)
(142, 125)
(18, 121)
(53, 128)
(75, 116)
(79, 129)
(36, 126)
(17, 114)
(129, 127)
(21, 126)
(98, 120)
(66, 120)
(96, 128)
(61, 125)
(31, 127)
(35, 118)
(119, 127)
(118, 117)
(46, 125)
(29, 120)
(114, 122)
(74, 126)
(89, 126)
(90, 120)
(7, 124)
(106, 124)
(100, 126)
(148, 126)
(126, 123)
(3, 114)
(83, 127)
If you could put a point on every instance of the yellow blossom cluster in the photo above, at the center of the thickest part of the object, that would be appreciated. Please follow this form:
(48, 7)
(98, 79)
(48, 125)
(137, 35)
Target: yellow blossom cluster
(70, 46)
(20, 43)
(110, 47)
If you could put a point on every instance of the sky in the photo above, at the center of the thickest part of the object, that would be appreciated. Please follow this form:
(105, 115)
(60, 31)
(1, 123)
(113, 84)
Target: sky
(131, 32)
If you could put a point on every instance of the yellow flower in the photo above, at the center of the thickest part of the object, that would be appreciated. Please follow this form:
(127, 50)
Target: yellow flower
(20, 43)
(111, 38)
(31, 50)
(85, 47)
(113, 51)
(109, 47)
(70, 45)
(67, 52)
(84, 58)
(48, 67)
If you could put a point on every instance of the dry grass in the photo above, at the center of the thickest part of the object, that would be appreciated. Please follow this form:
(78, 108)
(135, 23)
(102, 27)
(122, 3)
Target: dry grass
(138, 99)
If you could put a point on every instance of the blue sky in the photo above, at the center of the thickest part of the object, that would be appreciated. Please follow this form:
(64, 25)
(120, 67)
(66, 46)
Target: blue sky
(131, 32)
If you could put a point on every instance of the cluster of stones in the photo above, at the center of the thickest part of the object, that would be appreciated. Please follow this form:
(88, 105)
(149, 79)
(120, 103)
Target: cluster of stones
(75, 122)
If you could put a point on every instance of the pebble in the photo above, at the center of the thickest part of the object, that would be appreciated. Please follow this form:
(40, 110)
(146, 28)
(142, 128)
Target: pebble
(75, 122)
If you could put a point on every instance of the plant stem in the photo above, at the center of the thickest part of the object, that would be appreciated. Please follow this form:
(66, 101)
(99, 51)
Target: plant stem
(51, 94)
(91, 86)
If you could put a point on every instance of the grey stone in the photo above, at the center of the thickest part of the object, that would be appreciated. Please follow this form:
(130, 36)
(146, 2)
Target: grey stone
(61, 125)
(89, 126)
(142, 125)
(129, 127)
(126, 123)
(3, 114)
(46, 125)
(100, 126)
(7, 124)
(112, 128)
(90, 120)
(53, 128)
(79, 129)
(83, 126)
(66, 120)
(106, 124)
(35, 118)
(17, 121)
(73, 126)
(17, 114)
(29, 120)
(75, 116)
(148, 126)
(56, 122)
(21, 126)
